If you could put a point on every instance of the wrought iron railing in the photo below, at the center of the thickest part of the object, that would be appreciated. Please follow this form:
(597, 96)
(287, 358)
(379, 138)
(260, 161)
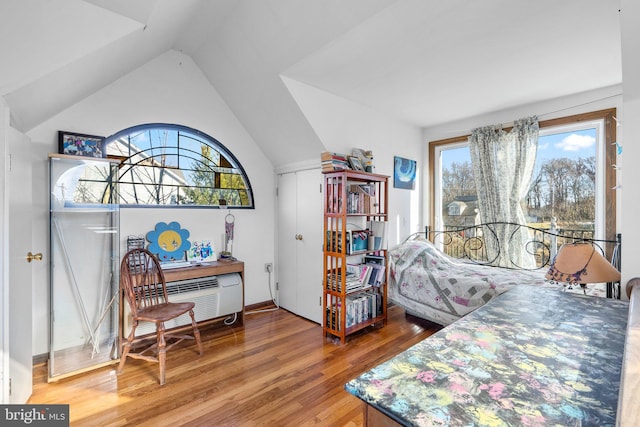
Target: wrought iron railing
(503, 244)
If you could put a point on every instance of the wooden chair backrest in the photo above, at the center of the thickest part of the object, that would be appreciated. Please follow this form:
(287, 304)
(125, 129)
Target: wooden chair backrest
(142, 280)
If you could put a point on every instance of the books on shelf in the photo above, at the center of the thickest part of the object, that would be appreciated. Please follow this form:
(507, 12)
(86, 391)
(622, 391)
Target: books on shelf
(355, 241)
(361, 198)
(359, 308)
(362, 307)
(358, 277)
(378, 231)
(334, 162)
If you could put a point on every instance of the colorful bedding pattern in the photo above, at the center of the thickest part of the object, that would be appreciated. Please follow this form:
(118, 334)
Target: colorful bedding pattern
(441, 289)
(532, 357)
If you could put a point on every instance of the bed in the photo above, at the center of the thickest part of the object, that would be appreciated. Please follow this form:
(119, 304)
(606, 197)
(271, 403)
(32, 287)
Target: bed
(442, 288)
(531, 356)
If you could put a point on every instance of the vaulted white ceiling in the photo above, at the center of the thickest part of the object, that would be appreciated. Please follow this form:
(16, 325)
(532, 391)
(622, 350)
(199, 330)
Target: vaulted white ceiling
(425, 62)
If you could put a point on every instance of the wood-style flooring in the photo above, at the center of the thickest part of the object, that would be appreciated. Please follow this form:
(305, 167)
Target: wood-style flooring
(277, 370)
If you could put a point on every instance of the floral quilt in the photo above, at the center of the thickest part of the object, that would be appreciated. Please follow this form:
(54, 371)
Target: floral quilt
(531, 357)
(441, 289)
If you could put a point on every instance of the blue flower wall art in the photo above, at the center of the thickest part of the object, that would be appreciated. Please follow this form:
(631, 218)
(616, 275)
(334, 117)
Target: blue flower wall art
(169, 241)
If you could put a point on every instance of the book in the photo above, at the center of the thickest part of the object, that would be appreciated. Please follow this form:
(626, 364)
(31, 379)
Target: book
(333, 162)
(328, 155)
(379, 234)
(374, 259)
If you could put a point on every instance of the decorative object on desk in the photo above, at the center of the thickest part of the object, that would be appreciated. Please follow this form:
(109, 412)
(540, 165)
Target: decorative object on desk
(78, 144)
(201, 251)
(229, 224)
(169, 241)
(581, 263)
(404, 173)
(135, 242)
(356, 164)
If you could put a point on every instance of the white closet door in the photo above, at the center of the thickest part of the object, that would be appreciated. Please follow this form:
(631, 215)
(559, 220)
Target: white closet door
(309, 247)
(287, 257)
(20, 277)
(300, 243)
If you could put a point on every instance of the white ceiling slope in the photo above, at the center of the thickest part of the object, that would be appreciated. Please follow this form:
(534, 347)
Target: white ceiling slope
(425, 62)
(431, 62)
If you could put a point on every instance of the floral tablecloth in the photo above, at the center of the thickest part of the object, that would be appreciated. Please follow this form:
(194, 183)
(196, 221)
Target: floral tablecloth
(530, 357)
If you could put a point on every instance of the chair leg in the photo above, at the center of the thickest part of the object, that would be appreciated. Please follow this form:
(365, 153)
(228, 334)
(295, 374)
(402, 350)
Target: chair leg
(196, 332)
(162, 350)
(127, 347)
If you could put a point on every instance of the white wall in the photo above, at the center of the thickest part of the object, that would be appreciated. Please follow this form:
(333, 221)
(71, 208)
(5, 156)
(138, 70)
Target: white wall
(168, 89)
(4, 276)
(629, 138)
(343, 125)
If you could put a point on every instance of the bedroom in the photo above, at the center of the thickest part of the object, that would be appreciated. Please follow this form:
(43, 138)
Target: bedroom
(48, 90)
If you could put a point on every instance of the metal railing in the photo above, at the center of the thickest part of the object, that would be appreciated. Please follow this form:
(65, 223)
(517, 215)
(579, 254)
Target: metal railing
(488, 242)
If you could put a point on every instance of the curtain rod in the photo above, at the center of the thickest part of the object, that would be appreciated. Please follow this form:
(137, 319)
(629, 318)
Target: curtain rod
(510, 124)
(540, 116)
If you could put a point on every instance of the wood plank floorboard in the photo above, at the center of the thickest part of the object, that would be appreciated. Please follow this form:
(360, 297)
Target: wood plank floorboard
(277, 370)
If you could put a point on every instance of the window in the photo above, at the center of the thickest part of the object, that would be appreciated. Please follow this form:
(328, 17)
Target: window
(171, 165)
(573, 179)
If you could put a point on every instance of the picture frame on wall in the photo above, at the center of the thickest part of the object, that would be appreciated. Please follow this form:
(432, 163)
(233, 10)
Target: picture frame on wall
(355, 163)
(78, 144)
(404, 173)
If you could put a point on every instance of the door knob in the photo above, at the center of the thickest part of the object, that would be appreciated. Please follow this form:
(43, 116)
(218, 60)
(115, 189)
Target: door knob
(31, 257)
(298, 236)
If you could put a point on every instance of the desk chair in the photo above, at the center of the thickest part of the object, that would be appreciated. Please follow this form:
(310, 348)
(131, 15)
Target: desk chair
(143, 283)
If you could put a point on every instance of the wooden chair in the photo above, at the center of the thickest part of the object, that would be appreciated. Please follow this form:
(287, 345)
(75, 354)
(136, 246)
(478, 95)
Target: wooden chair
(143, 283)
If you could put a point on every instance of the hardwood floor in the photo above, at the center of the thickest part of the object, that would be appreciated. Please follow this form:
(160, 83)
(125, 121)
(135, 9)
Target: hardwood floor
(279, 370)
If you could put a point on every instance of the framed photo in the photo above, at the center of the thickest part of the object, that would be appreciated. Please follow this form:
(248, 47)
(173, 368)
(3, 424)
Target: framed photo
(355, 163)
(404, 173)
(78, 144)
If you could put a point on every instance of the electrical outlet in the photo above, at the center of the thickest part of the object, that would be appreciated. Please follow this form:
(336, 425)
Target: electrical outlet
(268, 267)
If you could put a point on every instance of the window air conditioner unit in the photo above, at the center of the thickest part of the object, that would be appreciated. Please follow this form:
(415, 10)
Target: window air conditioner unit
(215, 296)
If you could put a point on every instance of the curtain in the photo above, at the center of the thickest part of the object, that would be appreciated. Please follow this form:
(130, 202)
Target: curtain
(503, 165)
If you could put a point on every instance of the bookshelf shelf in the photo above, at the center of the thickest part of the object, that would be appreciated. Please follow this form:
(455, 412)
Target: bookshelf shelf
(354, 252)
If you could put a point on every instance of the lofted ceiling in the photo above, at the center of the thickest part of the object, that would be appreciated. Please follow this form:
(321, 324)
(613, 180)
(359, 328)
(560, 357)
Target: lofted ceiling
(424, 62)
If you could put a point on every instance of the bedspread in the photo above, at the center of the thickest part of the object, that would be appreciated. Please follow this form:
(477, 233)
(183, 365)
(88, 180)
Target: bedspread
(532, 357)
(436, 287)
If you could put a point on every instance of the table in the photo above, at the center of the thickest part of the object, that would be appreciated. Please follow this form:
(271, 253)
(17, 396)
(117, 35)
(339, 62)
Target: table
(532, 356)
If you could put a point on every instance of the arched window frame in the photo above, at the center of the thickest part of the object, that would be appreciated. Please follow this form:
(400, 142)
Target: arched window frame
(175, 162)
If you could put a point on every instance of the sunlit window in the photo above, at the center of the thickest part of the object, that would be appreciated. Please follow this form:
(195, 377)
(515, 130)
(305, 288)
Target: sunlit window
(172, 165)
(572, 183)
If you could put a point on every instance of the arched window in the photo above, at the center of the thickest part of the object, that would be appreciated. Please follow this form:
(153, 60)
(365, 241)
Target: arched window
(171, 165)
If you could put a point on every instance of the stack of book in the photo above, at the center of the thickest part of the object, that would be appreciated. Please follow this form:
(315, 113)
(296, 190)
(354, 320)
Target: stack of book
(333, 317)
(378, 270)
(361, 199)
(359, 308)
(358, 277)
(334, 162)
(362, 307)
